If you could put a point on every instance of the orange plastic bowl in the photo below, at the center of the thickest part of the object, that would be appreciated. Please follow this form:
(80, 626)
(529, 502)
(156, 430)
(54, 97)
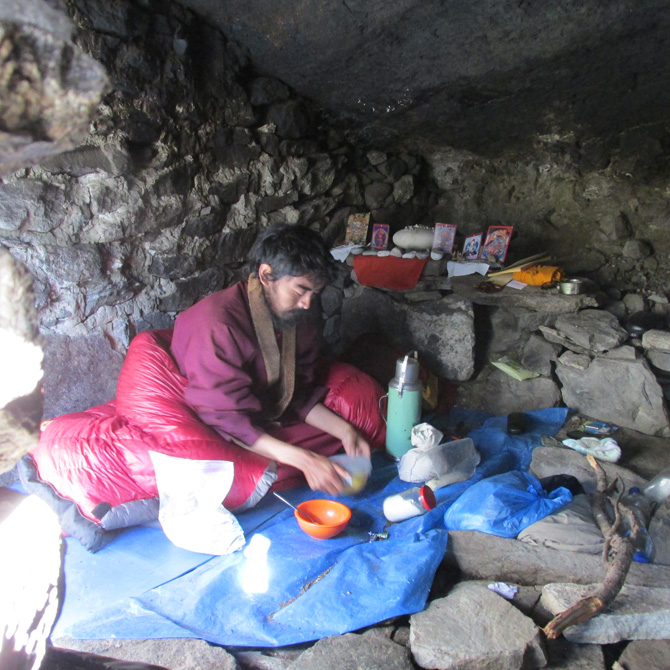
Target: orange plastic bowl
(332, 516)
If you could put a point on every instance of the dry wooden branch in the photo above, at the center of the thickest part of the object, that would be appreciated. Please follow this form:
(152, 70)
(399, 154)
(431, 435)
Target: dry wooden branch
(618, 554)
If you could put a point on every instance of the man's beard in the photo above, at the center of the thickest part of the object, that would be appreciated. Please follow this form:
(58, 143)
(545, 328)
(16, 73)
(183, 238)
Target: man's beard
(287, 320)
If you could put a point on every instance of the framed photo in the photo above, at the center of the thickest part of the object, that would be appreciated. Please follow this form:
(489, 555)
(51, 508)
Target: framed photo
(496, 243)
(471, 247)
(445, 233)
(380, 237)
(357, 228)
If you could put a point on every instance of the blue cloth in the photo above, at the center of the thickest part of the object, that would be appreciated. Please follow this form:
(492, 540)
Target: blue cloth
(141, 586)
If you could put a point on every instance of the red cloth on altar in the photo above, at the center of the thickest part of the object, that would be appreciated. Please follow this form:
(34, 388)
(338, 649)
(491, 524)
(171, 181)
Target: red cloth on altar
(389, 271)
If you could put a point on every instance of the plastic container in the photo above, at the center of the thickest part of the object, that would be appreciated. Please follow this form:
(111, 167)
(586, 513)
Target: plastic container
(409, 503)
(641, 507)
(658, 489)
(359, 469)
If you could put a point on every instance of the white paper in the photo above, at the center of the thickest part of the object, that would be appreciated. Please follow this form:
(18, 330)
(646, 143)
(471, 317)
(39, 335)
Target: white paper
(460, 269)
(340, 253)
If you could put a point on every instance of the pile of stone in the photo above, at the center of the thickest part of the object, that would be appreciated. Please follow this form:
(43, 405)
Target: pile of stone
(586, 356)
(603, 376)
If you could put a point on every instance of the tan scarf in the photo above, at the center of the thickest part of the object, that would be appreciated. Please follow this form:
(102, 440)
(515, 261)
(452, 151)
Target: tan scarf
(278, 368)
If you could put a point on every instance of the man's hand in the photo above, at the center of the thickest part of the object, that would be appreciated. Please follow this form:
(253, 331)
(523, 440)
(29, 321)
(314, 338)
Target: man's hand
(321, 473)
(355, 444)
(333, 424)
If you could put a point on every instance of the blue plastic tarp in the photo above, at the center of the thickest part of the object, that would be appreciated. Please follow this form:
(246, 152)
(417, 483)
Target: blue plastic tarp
(141, 586)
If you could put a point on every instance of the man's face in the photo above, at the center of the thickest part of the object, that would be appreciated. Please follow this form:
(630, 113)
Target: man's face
(288, 297)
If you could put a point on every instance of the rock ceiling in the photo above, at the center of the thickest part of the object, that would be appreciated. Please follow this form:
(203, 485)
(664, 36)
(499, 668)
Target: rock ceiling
(488, 76)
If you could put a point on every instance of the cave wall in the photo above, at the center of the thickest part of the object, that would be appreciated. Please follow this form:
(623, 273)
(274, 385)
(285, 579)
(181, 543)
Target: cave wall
(187, 156)
(189, 152)
(601, 208)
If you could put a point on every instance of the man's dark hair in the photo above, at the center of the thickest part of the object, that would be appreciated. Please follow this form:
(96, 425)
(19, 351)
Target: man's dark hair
(292, 250)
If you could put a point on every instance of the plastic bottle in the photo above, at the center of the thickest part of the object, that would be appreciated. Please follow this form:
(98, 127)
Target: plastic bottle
(658, 489)
(409, 503)
(640, 505)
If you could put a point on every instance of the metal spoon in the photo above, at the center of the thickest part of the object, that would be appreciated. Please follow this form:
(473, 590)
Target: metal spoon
(305, 515)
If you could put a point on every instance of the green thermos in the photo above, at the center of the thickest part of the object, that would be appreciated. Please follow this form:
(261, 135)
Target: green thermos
(403, 406)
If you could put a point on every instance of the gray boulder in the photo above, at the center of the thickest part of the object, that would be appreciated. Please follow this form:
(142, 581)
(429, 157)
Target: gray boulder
(593, 329)
(448, 633)
(646, 655)
(176, 654)
(482, 556)
(618, 388)
(353, 652)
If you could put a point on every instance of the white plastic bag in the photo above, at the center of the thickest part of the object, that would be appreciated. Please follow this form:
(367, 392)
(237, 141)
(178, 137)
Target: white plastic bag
(191, 512)
(425, 437)
(605, 449)
(440, 465)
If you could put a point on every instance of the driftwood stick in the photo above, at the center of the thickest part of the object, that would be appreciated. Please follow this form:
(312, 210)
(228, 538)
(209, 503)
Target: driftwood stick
(621, 549)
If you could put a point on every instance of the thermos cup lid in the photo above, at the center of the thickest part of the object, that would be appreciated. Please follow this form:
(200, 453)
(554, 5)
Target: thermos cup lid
(411, 370)
(427, 497)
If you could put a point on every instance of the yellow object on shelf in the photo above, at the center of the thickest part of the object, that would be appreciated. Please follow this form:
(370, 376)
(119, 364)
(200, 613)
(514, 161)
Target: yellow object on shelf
(537, 275)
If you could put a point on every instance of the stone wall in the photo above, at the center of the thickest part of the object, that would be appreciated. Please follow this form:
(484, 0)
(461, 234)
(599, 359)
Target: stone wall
(601, 209)
(188, 155)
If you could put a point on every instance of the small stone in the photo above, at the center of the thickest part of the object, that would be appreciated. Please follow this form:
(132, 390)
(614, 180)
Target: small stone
(634, 302)
(658, 298)
(659, 359)
(637, 249)
(656, 339)
(376, 157)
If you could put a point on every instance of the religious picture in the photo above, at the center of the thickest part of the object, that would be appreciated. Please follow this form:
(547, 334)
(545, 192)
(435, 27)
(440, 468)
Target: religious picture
(496, 243)
(357, 228)
(445, 234)
(471, 247)
(380, 236)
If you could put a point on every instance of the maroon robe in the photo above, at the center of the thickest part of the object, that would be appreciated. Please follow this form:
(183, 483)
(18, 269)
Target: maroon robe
(216, 349)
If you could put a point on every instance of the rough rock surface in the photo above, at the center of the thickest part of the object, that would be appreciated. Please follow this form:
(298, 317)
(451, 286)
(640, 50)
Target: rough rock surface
(619, 390)
(350, 652)
(389, 66)
(592, 329)
(442, 331)
(495, 392)
(656, 339)
(566, 655)
(158, 202)
(646, 655)
(49, 88)
(449, 633)
(659, 530)
(174, 654)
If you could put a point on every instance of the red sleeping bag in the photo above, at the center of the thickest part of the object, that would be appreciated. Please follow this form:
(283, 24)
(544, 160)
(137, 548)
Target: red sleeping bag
(99, 459)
